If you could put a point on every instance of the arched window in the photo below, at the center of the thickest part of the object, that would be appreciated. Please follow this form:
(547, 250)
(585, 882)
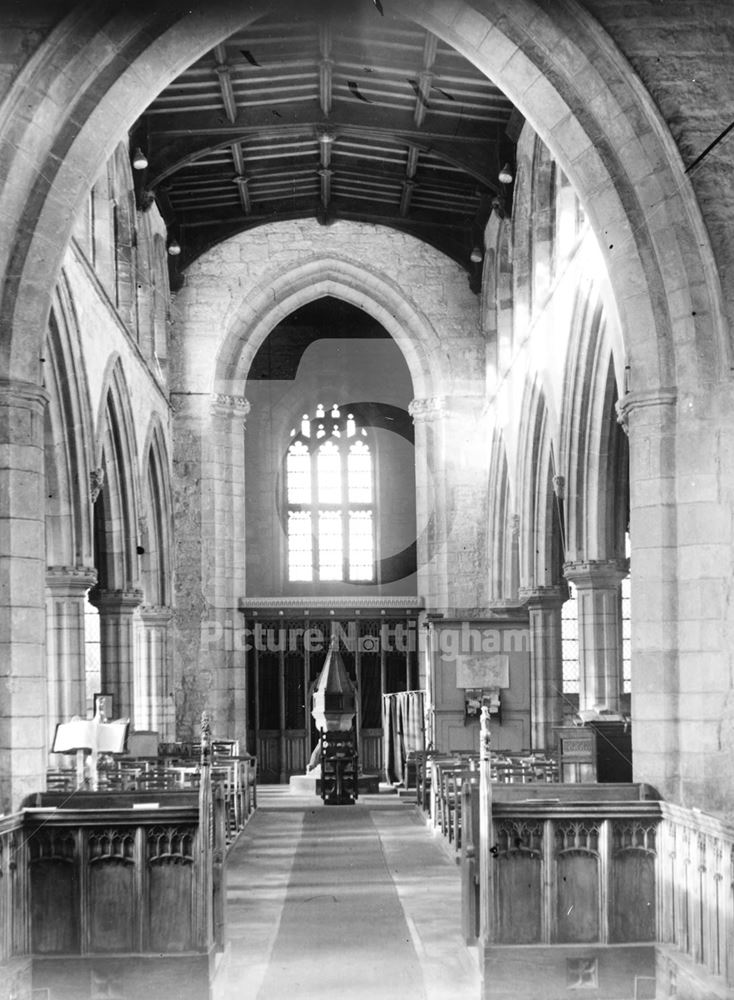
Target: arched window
(330, 493)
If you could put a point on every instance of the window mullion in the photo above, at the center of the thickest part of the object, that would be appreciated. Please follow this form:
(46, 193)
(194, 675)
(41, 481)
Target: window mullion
(344, 464)
(315, 514)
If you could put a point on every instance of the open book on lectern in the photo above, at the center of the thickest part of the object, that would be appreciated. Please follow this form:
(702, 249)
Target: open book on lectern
(90, 734)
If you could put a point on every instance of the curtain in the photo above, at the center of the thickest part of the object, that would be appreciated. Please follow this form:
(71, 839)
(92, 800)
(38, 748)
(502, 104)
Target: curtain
(403, 730)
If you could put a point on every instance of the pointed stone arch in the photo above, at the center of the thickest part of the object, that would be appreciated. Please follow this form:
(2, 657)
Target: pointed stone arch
(294, 286)
(594, 453)
(504, 565)
(156, 517)
(69, 440)
(609, 145)
(116, 520)
(116, 457)
(541, 541)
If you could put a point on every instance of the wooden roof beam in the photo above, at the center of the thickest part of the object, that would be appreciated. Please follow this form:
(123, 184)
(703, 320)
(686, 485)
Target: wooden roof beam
(240, 179)
(425, 79)
(325, 176)
(326, 68)
(405, 197)
(225, 83)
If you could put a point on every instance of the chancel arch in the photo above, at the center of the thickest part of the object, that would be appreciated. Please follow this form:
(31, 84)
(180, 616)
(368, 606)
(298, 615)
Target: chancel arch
(614, 147)
(503, 50)
(328, 374)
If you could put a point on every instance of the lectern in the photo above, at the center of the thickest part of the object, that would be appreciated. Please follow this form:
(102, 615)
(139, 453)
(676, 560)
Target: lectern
(92, 737)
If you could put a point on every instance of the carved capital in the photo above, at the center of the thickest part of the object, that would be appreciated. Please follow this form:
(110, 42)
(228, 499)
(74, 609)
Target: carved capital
(72, 581)
(592, 574)
(225, 405)
(14, 392)
(155, 614)
(428, 408)
(633, 401)
(96, 482)
(116, 601)
(542, 597)
(467, 407)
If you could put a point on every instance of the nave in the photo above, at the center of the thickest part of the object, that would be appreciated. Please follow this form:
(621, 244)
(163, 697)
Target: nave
(353, 903)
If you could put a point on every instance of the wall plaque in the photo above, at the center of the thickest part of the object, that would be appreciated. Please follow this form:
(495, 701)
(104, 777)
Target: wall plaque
(483, 670)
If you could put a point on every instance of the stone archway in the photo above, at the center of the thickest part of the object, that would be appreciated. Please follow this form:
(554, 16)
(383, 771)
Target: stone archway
(613, 146)
(363, 287)
(99, 68)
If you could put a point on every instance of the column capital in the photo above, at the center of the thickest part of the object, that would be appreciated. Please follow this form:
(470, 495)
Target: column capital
(155, 614)
(15, 392)
(596, 573)
(226, 405)
(441, 407)
(542, 597)
(643, 400)
(116, 601)
(72, 581)
(428, 408)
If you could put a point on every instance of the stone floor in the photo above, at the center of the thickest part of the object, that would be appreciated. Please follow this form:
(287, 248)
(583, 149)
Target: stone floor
(353, 902)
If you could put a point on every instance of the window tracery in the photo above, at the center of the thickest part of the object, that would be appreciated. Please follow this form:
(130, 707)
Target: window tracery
(330, 493)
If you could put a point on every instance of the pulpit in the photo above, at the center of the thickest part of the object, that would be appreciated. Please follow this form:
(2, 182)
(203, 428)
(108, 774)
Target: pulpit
(334, 707)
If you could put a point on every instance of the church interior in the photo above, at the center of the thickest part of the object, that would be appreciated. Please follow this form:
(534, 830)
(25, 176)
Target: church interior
(373, 355)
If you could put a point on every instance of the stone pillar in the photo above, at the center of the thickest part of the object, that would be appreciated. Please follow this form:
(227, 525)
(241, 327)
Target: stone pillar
(117, 648)
(430, 500)
(650, 419)
(153, 686)
(451, 502)
(546, 664)
(22, 591)
(191, 639)
(226, 470)
(66, 588)
(599, 602)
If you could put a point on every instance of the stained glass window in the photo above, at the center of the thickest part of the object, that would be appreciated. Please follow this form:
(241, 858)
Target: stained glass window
(330, 494)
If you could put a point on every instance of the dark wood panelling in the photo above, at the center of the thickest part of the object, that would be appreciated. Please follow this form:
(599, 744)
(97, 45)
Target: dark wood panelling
(577, 897)
(633, 893)
(54, 868)
(112, 920)
(169, 904)
(520, 899)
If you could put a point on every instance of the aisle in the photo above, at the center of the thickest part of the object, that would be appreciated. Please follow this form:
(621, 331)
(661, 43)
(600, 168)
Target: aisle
(353, 902)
